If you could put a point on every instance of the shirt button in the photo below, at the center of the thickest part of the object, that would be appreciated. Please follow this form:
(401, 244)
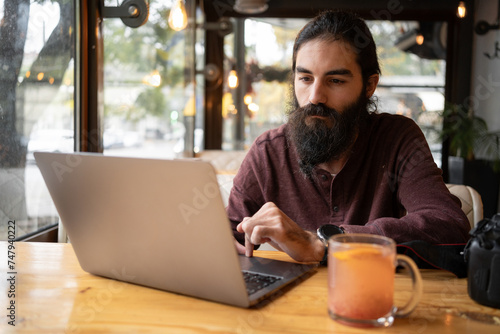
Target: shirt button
(336, 208)
(324, 177)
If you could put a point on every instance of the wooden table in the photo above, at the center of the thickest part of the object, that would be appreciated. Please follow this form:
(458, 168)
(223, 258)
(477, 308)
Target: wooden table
(54, 295)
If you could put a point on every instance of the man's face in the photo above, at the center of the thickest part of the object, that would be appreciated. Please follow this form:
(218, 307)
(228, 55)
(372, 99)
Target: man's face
(331, 100)
(327, 72)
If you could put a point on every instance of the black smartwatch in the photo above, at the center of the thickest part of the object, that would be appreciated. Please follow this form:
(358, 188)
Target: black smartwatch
(324, 233)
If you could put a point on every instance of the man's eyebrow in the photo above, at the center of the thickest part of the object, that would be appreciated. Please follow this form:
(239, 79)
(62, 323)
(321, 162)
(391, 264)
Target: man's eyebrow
(342, 71)
(302, 70)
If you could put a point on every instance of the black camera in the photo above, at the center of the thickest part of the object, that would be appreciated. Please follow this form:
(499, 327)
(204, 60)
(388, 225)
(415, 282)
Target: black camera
(483, 256)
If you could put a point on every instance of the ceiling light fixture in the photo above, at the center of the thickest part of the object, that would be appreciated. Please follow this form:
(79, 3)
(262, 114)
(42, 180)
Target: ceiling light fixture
(250, 6)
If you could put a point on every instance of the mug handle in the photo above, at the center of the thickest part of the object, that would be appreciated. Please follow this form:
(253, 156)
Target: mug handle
(407, 263)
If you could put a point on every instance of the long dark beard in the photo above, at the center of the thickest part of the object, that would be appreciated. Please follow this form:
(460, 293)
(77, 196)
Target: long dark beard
(319, 140)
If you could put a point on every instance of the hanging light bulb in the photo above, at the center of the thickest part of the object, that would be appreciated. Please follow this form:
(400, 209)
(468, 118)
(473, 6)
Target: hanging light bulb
(232, 79)
(419, 39)
(247, 99)
(177, 20)
(253, 107)
(153, 79)
(461, 10)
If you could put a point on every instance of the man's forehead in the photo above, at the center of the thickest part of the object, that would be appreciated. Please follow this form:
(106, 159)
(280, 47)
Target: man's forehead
(327, 43)
(337, 55)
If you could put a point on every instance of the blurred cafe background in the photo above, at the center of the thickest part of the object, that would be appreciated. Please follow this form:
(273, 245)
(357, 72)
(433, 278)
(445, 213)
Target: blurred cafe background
(180, 78)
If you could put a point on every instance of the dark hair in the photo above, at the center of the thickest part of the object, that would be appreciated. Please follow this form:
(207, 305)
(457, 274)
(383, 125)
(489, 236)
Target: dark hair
(333, 25)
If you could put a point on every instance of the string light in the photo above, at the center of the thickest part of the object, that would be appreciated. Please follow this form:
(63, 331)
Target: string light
(461, 10)
(177, 20)
(232, 79)
(420, 39)
(253, 107)
(247, 99)
(153, 79)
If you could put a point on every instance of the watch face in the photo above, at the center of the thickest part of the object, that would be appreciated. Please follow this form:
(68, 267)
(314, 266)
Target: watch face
(328, 230)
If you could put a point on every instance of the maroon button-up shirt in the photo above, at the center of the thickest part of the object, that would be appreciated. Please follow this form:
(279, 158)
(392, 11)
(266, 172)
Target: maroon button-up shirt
(389, 186)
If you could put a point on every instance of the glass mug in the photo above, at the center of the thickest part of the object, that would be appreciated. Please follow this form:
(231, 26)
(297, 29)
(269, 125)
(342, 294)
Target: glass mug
(361, 270)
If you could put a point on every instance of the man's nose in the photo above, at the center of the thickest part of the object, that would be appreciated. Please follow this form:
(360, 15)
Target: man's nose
(317, 94)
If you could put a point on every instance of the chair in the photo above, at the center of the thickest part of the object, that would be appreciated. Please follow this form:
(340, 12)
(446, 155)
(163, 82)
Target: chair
(224, 162)
(472, 205)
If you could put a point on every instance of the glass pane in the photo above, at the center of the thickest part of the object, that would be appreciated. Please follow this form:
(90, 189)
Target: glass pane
(268, 47)
(148, 87)
(413, 76)
(410, 84)
(36, 105)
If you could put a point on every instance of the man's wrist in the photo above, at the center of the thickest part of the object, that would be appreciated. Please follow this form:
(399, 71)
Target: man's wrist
(316, 249)
(319, 250)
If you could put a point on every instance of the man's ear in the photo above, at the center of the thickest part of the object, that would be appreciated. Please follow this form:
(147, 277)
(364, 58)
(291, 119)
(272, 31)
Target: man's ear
(371, 85)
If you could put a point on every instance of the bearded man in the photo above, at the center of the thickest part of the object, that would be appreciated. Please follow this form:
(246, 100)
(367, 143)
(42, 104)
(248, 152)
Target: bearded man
(338, 163)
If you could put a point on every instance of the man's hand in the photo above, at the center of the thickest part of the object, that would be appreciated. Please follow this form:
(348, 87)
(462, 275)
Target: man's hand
(271, 225)
(239, 247)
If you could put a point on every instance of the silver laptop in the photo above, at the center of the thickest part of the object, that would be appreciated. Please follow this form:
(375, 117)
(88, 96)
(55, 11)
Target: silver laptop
(157, 223)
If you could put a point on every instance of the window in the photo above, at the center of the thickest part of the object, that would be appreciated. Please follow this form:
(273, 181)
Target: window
(36, 105)
(148, 87)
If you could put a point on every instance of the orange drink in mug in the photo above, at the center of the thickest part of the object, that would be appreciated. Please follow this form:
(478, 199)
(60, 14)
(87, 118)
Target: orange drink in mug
(361, 270)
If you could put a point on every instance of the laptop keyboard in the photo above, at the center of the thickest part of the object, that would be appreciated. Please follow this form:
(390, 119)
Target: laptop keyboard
(256, 281)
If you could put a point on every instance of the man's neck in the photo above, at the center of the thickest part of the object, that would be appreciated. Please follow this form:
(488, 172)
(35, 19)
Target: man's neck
(334, 166)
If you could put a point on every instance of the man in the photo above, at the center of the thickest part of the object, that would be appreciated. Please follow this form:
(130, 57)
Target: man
(336, 162)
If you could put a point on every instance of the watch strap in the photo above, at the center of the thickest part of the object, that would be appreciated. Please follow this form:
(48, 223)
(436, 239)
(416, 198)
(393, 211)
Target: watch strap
(324, 238)
(324, 261)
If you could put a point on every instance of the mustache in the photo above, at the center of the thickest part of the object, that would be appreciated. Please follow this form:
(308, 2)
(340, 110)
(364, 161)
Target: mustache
(317, 110)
